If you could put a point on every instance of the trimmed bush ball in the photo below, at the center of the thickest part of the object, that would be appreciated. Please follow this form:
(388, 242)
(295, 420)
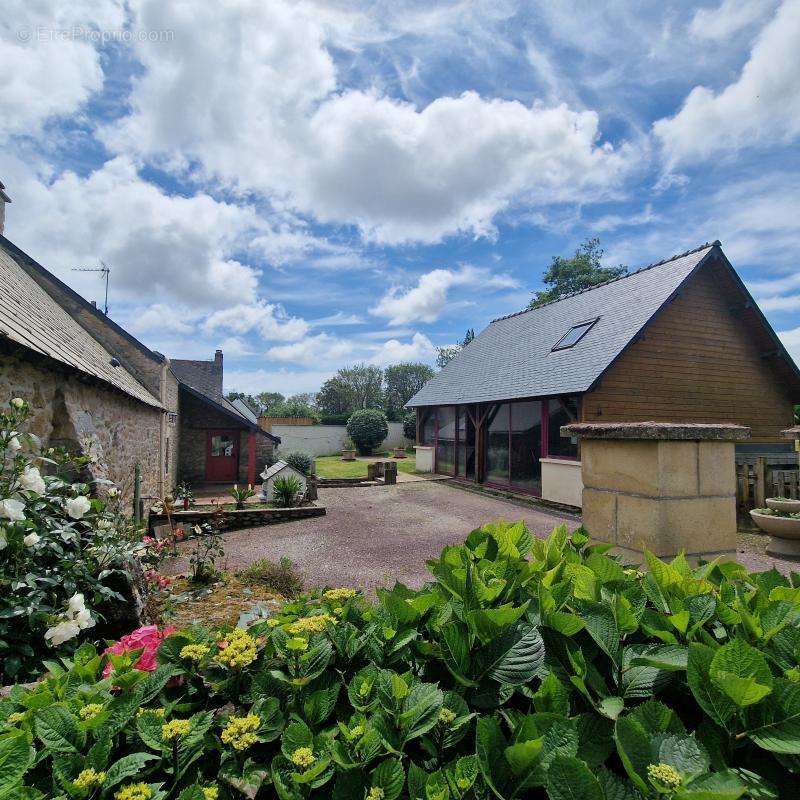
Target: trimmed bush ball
(410, 425)
(367, 428)
(301, 461)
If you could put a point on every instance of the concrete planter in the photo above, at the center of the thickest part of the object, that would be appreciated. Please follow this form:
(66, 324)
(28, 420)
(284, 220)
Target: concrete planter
(400, 452)
(425, 458)
(348, 455)
(787, 506)
(784, 534)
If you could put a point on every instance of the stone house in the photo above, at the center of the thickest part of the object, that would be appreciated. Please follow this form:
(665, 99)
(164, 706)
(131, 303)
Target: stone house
(94, 387)
(679, 341)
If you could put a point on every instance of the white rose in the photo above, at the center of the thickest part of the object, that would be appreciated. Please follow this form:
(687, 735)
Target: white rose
(17, 402)
(31, 539)
(32, 481)
(13, 444)
(84, 619)
(76, 603)
(113, 491)
(12, 509)
(103, 524)
(3, 540)
(62, 632)
(77, 506)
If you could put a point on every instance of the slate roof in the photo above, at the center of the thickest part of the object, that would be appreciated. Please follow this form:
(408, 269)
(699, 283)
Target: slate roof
(513, 357)
(30, 317)
(204, 380)
(277, 467)
(244, 409)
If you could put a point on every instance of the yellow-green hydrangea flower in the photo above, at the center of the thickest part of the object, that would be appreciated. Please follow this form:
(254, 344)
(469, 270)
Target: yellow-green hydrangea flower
(446, 716)
(665, 775)
(240, 649)
(339, 595)
(134, 791)
(273, 623)
(194, 652)
(91, 710)
(375, 793)
(175, 729)
(89, 779)
(303, 757)
(314, 624)
(16, 718)
(210, 792)
(239, 732)
(159, 712)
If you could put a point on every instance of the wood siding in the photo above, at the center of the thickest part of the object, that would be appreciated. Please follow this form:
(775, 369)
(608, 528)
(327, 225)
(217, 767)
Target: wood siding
(700, 360)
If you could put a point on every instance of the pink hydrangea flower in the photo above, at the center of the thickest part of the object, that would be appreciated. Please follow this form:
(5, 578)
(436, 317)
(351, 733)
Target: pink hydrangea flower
(146, 639)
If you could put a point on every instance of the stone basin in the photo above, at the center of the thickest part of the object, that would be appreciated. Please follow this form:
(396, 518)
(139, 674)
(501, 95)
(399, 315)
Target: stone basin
(784, 534)
(787, 506)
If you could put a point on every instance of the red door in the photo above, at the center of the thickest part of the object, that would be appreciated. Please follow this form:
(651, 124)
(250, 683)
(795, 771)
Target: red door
(222, 455)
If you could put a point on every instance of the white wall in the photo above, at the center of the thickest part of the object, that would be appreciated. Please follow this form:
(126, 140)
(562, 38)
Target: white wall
(562, 481)
(327, 440)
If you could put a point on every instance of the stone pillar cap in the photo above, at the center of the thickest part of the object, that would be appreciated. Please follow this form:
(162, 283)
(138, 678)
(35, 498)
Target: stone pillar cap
(657, 431)
(792, 433)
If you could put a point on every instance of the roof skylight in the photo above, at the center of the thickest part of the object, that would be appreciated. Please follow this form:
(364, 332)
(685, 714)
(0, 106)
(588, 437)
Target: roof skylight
(574, 335)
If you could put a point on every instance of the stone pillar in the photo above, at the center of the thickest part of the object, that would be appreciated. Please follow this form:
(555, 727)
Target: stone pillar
(660, 486)
(390, 472)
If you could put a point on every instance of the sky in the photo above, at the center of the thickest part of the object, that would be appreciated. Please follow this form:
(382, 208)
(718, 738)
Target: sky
(311, 184)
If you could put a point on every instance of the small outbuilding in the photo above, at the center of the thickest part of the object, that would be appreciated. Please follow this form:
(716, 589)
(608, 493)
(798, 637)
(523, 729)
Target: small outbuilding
(280, 469)
(681, 340)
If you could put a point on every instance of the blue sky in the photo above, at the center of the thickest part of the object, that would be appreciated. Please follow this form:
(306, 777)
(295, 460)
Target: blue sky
(310, 184)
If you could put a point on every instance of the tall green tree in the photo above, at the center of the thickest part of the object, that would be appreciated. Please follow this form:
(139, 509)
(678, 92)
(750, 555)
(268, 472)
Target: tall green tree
(445, 355)
(565, 276)
(403, 381)
(351, 388)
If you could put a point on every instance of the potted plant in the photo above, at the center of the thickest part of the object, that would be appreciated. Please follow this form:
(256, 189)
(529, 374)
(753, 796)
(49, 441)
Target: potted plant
(240, 496)
(783, 528)
(400, 452)
(183, 492)
(349, 450)
(785, 504)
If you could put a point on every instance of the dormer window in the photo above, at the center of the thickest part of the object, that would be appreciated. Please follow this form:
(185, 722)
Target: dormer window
(574, 335)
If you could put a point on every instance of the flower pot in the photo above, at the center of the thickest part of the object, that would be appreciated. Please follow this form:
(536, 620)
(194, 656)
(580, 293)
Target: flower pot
(185, 503)
(784, 534)
(787, 506)
(348, 455)
(400, 452)
(239, 505)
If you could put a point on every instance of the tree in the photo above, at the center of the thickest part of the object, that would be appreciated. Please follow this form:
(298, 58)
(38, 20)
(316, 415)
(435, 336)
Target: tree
(269, 401)
(351, 388)
(335, 397)
(446, 354)
(403, 381)
(367, 428)
(566, 276)
(298, 405)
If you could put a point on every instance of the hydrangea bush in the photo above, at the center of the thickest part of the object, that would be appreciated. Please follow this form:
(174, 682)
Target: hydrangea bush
(524, 669)
(58, 549)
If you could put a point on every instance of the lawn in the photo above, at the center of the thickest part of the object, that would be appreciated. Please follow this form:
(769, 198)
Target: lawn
(334, 467)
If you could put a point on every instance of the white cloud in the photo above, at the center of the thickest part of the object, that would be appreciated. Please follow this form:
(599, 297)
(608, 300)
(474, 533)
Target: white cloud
(426, 301)
(761, 107)
(790, 302)
(161, 318)
(321, 348)
(791, 341)
(721, 22)
(46, 74)
(611, 222)
(393, 351)
(269, 320)
(268, 114)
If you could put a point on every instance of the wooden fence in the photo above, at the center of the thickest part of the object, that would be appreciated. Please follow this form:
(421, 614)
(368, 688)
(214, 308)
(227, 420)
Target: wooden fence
(756, 480)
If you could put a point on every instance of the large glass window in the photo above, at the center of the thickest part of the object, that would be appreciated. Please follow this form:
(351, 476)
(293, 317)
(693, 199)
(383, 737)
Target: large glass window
(428, 430)
(497, 444)
(446, 442)
(526, 445)
(466, 445)
(563, 411)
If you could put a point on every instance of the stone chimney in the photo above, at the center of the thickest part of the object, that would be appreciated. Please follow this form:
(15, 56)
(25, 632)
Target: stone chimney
(218, 370)
(4, 198)
(218, 358)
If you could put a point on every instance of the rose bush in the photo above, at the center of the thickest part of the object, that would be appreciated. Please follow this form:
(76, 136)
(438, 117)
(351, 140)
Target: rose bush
(524, 669)
(58, 548)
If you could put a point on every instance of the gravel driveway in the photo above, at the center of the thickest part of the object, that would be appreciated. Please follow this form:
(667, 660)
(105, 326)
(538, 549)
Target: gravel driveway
(372, 536)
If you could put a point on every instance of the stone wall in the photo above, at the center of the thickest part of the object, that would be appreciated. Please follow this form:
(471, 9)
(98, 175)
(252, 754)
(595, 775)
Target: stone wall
(197, 417)
(233, 519)
(115, 429)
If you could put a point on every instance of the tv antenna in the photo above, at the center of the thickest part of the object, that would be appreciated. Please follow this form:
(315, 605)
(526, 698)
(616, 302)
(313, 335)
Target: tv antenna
(105, 271)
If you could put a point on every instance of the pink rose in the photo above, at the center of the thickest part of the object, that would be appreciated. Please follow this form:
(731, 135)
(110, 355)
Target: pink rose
(146, 639)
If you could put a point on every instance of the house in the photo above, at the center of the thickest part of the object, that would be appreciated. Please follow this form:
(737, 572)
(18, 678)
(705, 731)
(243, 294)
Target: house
(681, 340)
(96, 389)
(218, 443)
(280, 469)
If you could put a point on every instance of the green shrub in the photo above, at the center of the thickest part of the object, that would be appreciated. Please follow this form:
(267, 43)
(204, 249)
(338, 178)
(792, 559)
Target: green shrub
(281, 578)
(286, 491)
(525, 669)
(410, 426)
(367, 428)
(301, 461)
(61, 551)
